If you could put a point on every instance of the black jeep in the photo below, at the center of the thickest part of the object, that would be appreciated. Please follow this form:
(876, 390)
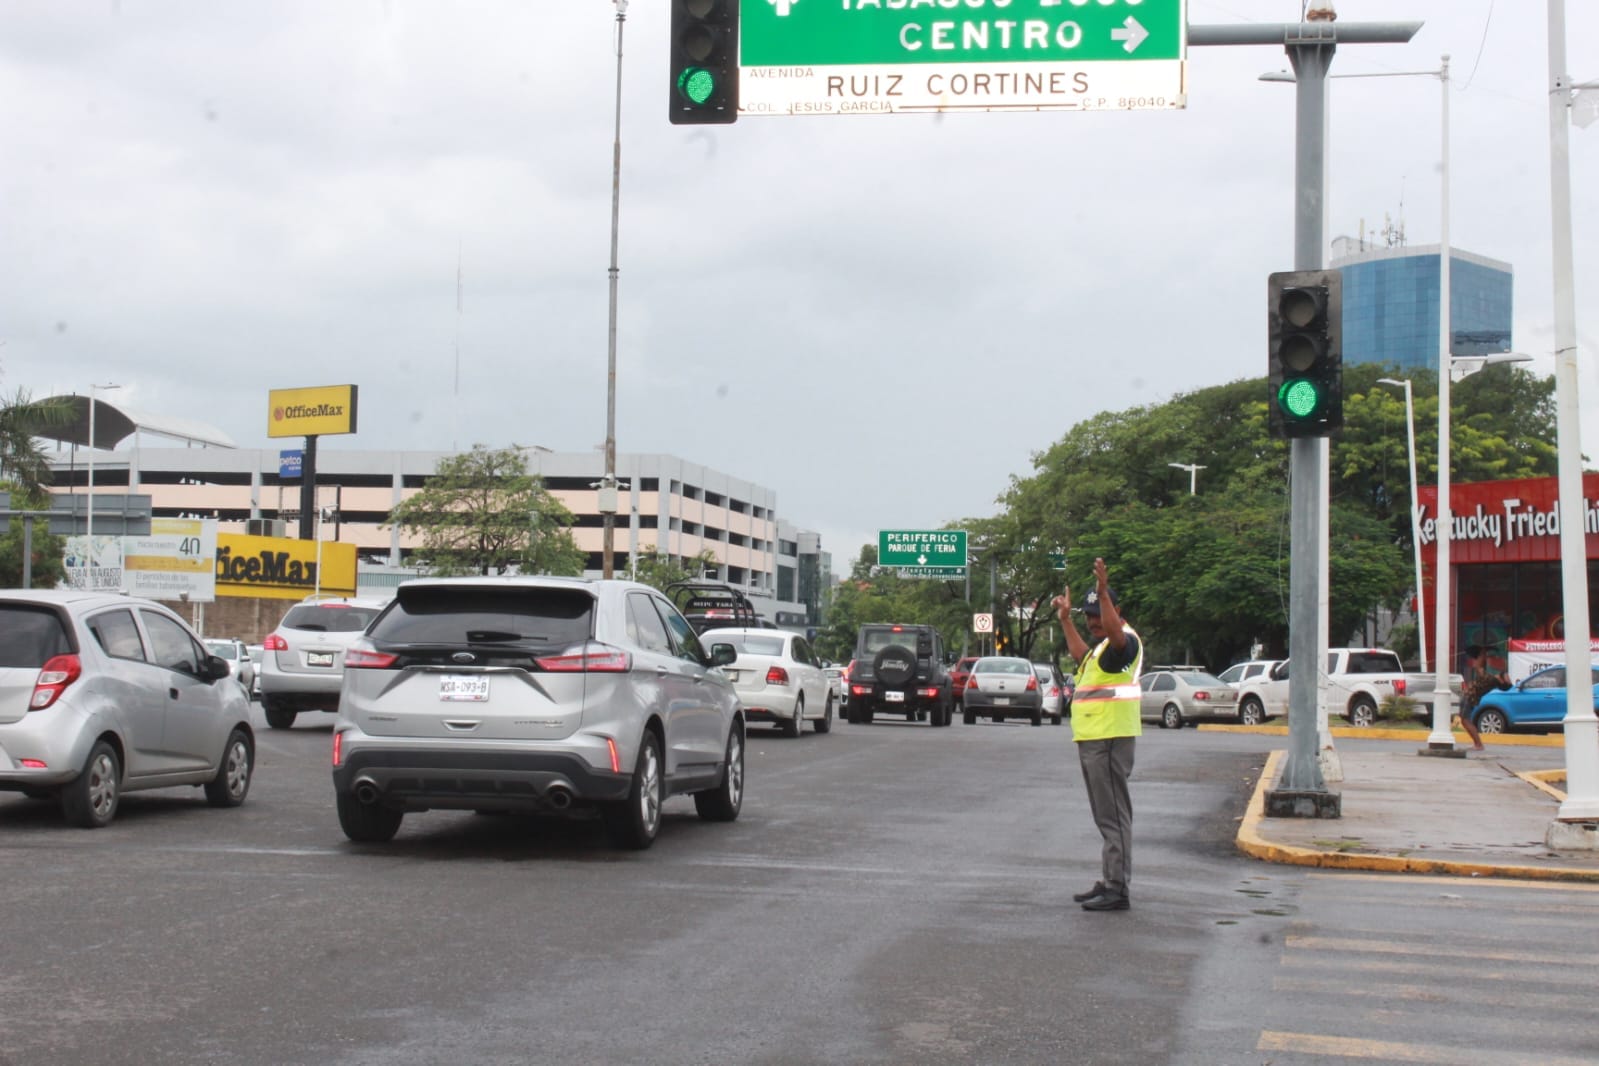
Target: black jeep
(899, 669)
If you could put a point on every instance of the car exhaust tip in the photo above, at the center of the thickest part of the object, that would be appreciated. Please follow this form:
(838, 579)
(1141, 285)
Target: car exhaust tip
(366, 790)
(559, 797)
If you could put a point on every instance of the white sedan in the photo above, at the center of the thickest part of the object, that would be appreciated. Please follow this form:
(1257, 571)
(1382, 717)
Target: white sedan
(778, 678)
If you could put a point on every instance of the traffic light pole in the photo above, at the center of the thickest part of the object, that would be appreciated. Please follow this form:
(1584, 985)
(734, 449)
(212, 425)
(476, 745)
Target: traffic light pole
(1301, 789)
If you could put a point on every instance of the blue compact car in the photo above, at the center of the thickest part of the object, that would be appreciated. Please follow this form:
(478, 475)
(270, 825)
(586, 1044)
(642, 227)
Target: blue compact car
(1539, 701)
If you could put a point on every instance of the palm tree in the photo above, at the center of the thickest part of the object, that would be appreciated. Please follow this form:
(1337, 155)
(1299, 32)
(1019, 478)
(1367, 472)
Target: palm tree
(22, 461)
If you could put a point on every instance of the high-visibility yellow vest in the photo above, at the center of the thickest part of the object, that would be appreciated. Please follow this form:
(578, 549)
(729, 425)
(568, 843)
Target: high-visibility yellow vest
(1105, 704)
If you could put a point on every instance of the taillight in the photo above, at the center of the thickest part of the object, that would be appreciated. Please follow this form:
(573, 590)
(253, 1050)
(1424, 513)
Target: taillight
(274, 642)
(54, 677)
(1032, 683)
(590, 658)
(338, 747)
(1399, 686)
(366, 659)
(927, 693)
(971, 682)
(776, 675)
(848, 670)
(1201, 695)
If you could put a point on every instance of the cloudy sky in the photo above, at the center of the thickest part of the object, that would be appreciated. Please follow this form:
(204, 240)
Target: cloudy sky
(880, 317)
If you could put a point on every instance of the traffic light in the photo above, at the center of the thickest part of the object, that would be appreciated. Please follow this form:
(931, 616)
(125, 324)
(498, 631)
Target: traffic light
(704, 68)
(1306, 362)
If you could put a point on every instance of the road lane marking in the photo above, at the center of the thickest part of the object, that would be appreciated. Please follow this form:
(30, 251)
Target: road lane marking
(1389, 1051)
(1425, 994)
(1390, 947)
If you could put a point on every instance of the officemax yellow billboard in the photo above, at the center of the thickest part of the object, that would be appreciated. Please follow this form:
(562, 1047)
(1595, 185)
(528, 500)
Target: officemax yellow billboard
(281, 568)
(311, 412)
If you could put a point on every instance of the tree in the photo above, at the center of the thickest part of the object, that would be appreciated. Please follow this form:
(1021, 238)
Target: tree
(661, 571)
(47, 570)
(483, 513)
(22, 418)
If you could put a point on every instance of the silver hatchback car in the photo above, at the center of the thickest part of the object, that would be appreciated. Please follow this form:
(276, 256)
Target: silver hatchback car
(535, 694)
(105, 694)
(302, 660)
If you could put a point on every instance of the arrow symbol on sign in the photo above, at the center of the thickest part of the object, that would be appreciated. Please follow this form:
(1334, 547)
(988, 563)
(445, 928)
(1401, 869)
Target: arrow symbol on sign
(782, 6)
(1130, 32)
(921, 560)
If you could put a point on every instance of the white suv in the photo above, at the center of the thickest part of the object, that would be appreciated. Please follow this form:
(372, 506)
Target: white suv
(302, 661)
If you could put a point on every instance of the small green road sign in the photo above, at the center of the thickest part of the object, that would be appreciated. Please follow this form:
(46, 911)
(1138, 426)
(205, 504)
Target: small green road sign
(1057, 560)
(948, 573)
(921, 548)
(819, 57)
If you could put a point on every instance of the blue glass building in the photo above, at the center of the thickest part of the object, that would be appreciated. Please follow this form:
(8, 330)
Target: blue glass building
(1391, 304)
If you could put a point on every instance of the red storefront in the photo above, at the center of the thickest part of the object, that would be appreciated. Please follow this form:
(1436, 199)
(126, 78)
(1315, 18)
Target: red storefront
(1504, 550)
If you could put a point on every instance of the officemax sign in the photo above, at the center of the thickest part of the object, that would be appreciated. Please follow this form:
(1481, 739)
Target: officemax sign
(281, 568)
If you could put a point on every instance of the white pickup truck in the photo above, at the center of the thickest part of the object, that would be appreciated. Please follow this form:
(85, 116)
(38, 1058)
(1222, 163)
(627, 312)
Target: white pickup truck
(1358, 680)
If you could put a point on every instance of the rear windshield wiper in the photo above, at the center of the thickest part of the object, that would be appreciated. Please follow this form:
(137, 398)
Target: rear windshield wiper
(499, 636)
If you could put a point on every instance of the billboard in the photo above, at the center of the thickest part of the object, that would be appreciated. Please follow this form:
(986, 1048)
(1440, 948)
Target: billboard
(311, 412)
(281, 568)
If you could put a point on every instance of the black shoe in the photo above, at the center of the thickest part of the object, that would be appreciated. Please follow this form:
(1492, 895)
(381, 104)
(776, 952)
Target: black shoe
(1084, 897)
(1107, 901)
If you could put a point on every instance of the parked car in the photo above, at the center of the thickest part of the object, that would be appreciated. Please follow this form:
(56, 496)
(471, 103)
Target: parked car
(778, 678)
(1054, 690)
(256, 654)
(302, 665)
(1176, 697)
(1538, 701)
(535, 694)
(237, 656)
(1000, 687)
(106, 694)
(837, 684)
(1238, 673)
(959, 674)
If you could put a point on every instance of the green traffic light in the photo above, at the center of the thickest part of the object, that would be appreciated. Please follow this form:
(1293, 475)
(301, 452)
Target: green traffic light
(696, 84)
(1299, 398)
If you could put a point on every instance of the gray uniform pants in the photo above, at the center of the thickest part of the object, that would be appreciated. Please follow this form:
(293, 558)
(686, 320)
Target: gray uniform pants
(1106, 766)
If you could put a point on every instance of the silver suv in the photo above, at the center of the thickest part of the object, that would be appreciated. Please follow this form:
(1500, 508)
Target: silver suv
(105, 694)
(302, 661)
(535, 694)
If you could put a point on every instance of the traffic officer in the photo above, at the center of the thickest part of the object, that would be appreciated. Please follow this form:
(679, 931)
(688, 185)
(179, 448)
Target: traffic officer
(1105, 721)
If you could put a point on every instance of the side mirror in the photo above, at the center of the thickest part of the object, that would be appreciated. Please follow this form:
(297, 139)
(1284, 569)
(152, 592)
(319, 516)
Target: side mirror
(215, 668)
(723, 654)
(1280, 671)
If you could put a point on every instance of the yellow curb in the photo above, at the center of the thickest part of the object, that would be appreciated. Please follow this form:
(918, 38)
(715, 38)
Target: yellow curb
(1250, 842)
(1513, 740)
(1544, 781)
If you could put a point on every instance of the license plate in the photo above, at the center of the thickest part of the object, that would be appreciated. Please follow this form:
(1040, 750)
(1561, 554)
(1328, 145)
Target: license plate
(464, 688)
(1001, 701)
(319, 658)
(894, 697)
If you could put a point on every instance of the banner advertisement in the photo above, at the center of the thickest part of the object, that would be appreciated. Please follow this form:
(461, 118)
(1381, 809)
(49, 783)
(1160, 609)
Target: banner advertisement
(175, 562)
(1527, 657)
(96, 567)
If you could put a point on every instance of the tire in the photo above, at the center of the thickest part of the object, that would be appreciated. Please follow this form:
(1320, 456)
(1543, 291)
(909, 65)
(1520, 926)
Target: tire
(999, 719)
(969, 717)
(864, 716)
(722, 803)
(367, 823)
(792, 727)
(232, 782)
(901, 665)
(1038, 716)
(90, 799)
(1056, 719)
(634, 822)
(1250, 712)
(824, 724)
(1362, 712)
(1492, 720)
(277, 717)
(1171, 717)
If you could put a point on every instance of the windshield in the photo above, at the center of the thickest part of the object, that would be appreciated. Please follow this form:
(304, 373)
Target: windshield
(223, 649)
(750, 644)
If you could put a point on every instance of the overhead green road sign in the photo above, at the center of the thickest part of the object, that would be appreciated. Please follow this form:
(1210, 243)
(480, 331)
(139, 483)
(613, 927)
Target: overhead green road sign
(946, 573)
(853, 56)
(921, 548)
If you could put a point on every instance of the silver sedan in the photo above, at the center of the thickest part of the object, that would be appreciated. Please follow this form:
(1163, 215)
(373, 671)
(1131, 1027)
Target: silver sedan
(1000, 687)
(1175, 697)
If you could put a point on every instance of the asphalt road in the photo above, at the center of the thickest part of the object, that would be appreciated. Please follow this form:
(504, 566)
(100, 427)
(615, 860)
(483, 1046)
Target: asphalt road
(892, 894)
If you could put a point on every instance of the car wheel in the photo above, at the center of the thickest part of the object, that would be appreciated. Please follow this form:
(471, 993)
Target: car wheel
(90, 799)
(1250, 712)
(1171, 717)
(824, 724)
(232, 782)
(864, 716)
(633, 822)
(999, 719)
(367, 823)
(969, 717)
(722, 803)
(277, 717)
(792, 726)
(1362, 712)
(1492, 720)
(1038, 717)
(1055, 719)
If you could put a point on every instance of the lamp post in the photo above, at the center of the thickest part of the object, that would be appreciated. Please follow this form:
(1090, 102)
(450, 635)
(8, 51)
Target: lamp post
(607, 504)
(1193, 474)
(1415, 516)
(88, 526)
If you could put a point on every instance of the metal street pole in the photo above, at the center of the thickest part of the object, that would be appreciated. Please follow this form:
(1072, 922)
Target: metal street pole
(1193, 474)
(1581, 728)
(88, 528)
(607, 503)
(1415, 517)
(1440, 739)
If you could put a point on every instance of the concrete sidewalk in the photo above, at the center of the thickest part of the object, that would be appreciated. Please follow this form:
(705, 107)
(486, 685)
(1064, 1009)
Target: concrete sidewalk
(1482, 816)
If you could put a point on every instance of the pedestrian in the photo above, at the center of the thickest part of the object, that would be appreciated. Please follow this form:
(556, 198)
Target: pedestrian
(1105, 723)
(1476, 681)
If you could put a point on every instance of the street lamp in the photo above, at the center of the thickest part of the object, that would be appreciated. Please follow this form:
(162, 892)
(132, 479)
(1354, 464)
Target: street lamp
(1415, 516)
(1193, 474)
(607, 505)
(88, 528)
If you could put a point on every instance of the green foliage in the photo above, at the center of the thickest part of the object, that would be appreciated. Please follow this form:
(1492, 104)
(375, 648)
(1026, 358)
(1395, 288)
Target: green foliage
(483, 513)
(48, 549)
(1397, 709)
(22, 418)
(659, 571)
